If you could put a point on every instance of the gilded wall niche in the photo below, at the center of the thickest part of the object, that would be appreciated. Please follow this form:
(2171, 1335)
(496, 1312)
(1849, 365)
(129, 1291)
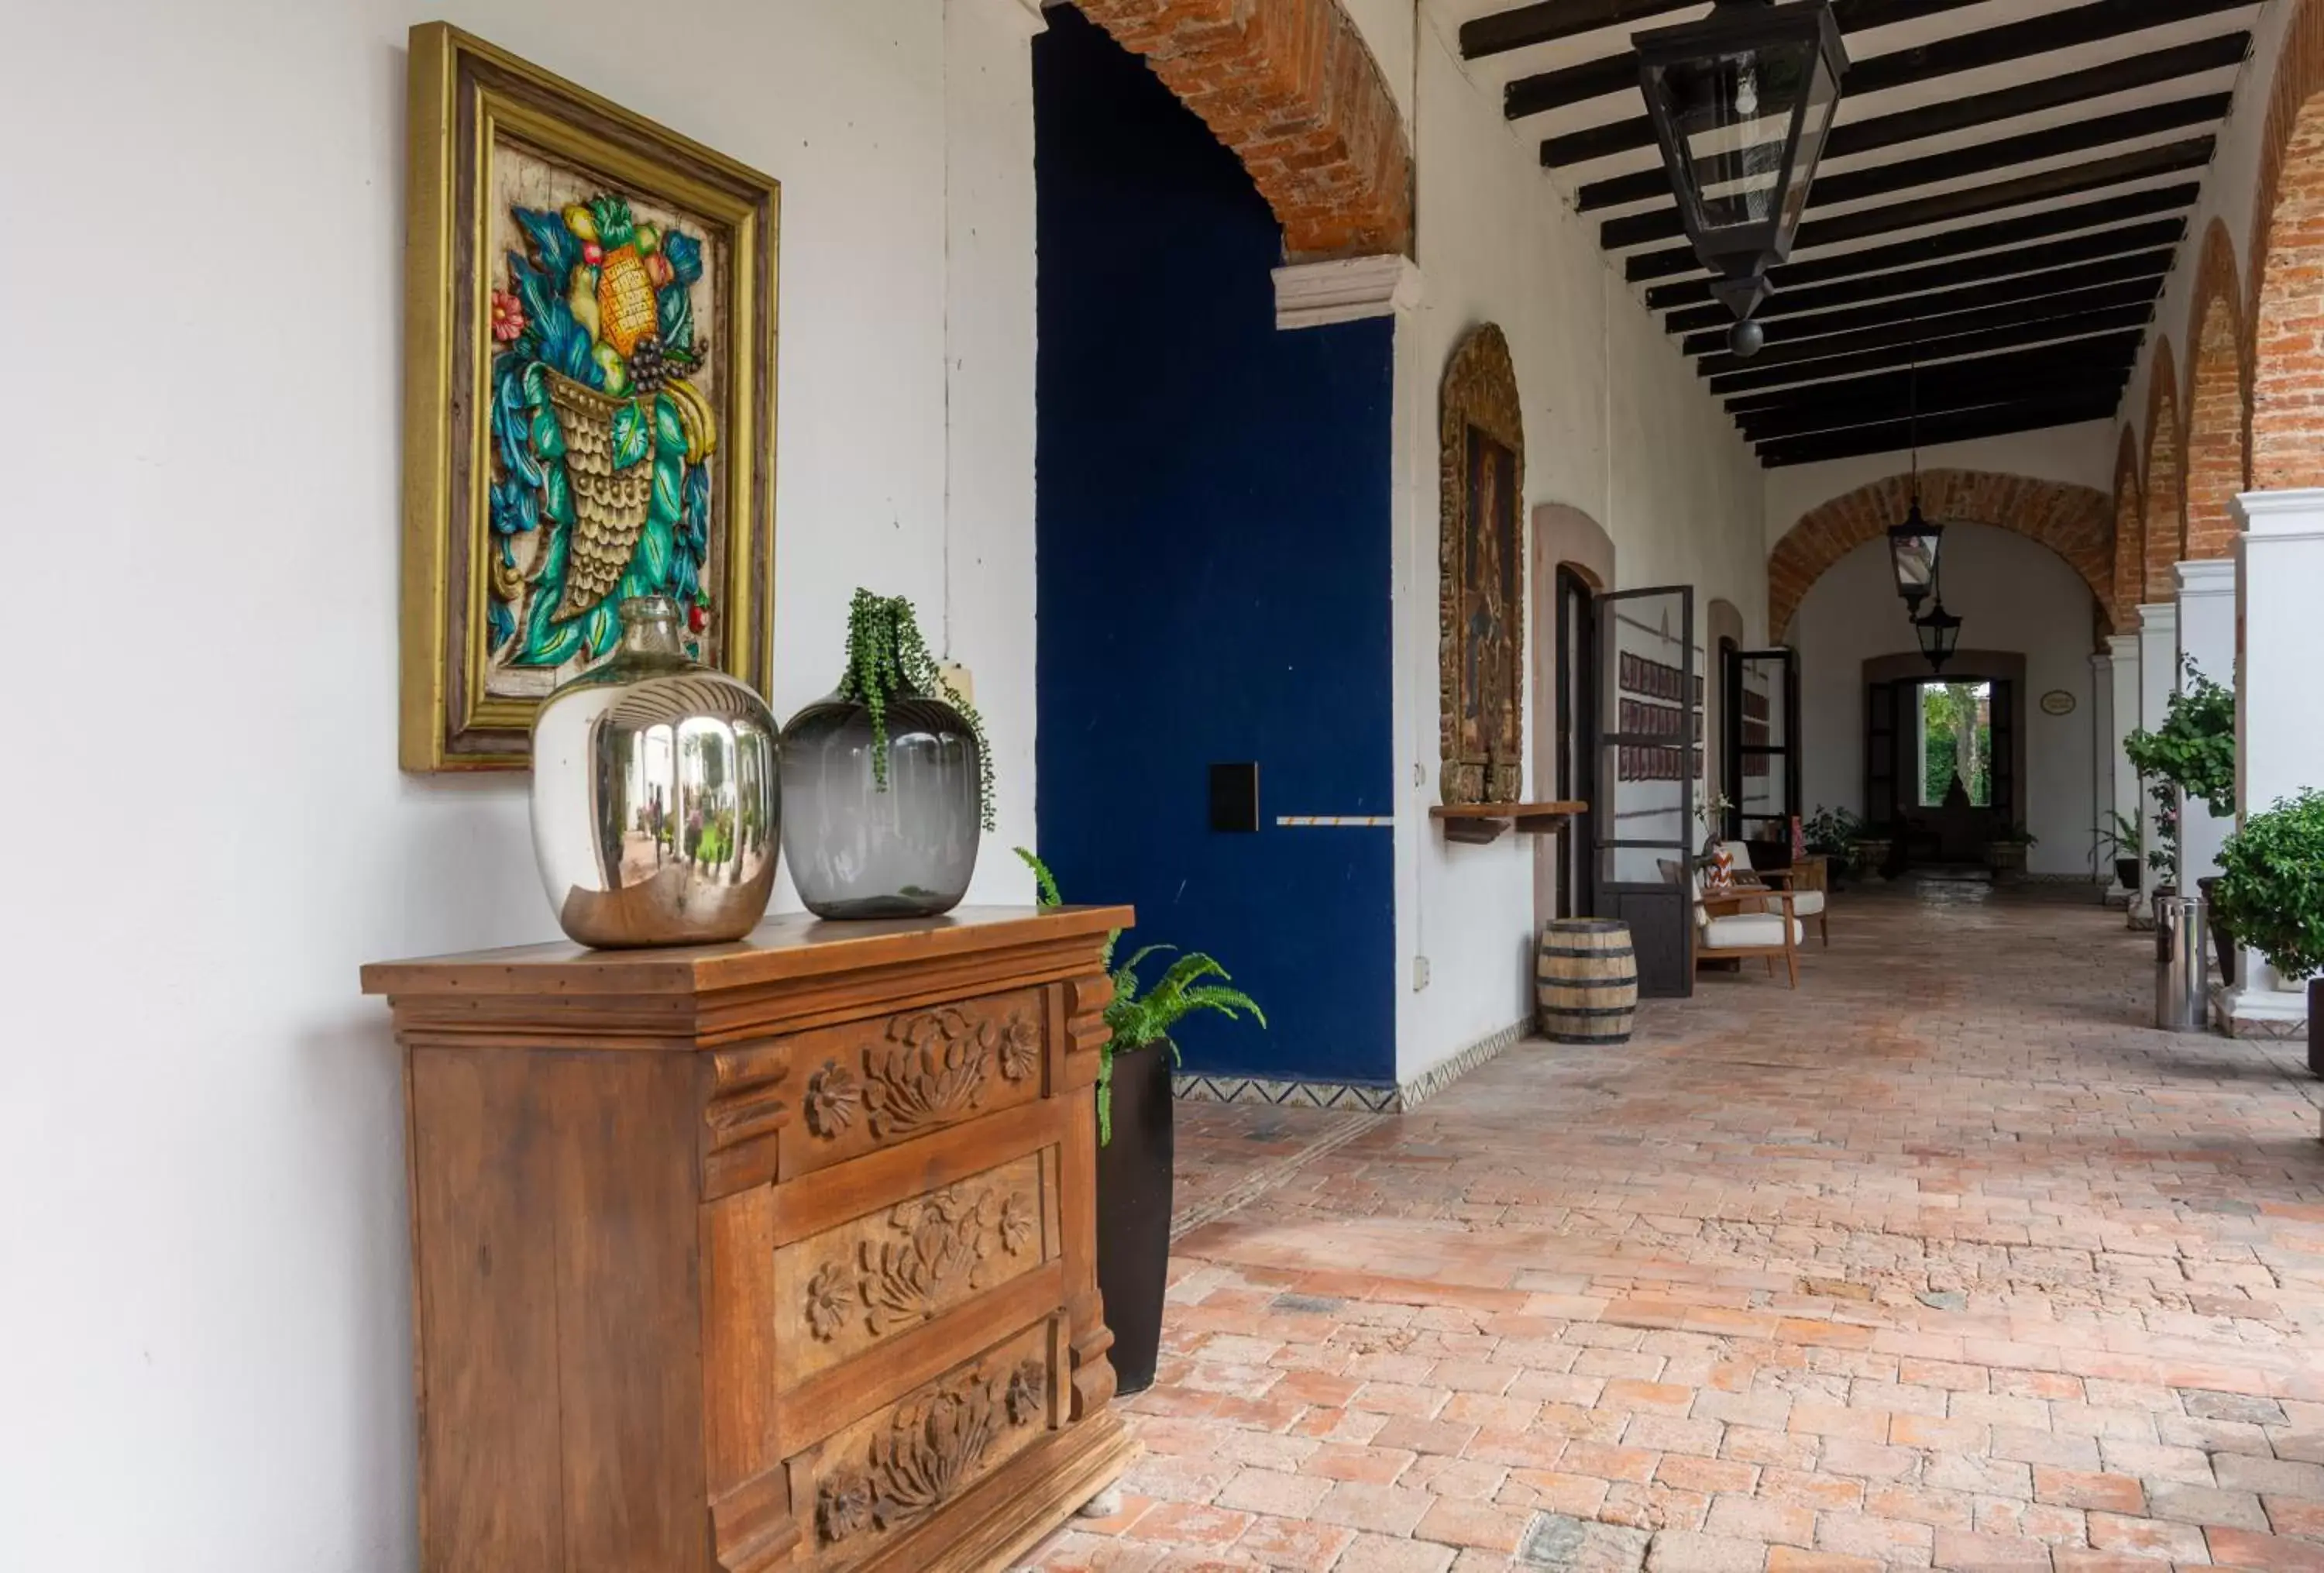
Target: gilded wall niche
(1481, 569)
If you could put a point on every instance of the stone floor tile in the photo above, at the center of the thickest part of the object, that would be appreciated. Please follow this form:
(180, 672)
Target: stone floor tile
(1382, 1554)
(2146, 1537)
(1270, 1490)
(1688, 1552)
(2119, 1494)
(2244, 1549)
(1297, 1543)
(1387, 1510)
(1961, 1548)
(1561, 1543)
(1481, 1524)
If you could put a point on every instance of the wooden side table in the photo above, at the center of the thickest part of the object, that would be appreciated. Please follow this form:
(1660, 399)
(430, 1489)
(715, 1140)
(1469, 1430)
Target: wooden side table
(774, 1254)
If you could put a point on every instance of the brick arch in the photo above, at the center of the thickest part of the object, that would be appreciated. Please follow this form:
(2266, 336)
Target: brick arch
(2129, 576)
(2284, 317)
(2165, 488)
(1292, 88)
(2077, 523)
(2218, 405)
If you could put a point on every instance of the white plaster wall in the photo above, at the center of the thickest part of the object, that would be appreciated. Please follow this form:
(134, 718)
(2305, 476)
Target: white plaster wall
(205, 1342)
(1617, 424)
(2013, 596)
(2080, 455)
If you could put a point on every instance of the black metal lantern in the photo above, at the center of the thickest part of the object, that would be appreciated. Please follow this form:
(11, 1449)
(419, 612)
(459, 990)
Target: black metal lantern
(1740, 102)
(1913, 547)
(1939, 634)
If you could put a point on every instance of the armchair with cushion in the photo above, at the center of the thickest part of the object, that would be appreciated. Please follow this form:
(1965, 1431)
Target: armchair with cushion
(1745, 921)
(1806, 879)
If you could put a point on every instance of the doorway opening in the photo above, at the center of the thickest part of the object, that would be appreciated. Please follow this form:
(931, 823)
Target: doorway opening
(1955, 728)
(1577, 736)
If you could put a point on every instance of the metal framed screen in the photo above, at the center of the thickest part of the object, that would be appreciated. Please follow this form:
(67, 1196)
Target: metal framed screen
(1763, 743)
(1650, 753)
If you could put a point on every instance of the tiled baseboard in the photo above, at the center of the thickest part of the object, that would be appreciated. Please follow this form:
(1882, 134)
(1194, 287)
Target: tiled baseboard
(1357, 1097)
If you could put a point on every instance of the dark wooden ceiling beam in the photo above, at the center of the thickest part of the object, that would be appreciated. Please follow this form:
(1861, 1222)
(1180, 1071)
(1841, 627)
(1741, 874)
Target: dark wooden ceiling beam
(2123, 75)
(1551, 19)
(1914, 213)
(2145, 267)
(1963, 51)
(1979, 237)
(1929, 331)
(1893, 436)
(1955, 163)
(1977, 158)
(2102, 247)
(1943, 377)
(2056, 380)
(2106, 332)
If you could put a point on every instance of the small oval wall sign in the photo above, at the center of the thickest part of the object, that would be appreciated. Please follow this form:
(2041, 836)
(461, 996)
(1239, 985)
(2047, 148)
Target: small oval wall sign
(2057, 702)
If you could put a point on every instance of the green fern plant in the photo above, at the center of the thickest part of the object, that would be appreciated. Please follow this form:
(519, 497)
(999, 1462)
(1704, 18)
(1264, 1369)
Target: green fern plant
(887, 656)
(1140, 1019)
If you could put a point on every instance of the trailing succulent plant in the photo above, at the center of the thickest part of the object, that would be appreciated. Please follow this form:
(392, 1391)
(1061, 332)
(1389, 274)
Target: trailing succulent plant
(2271, 888)
(887, 657)
(1139, 1019)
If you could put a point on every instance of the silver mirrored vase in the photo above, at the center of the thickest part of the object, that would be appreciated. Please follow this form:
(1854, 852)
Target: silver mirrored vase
(859, 848)
(656, 794)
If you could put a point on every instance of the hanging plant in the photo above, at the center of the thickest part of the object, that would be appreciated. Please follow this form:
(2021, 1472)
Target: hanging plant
(887, 657)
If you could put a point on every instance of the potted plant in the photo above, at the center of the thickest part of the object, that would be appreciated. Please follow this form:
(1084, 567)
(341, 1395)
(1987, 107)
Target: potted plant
(2119, 839)
(2005, 854)
(887, 782)
(1831, 834)
(2270, 890)
(1136, 1134)
(1871, 849)
(2192, 754)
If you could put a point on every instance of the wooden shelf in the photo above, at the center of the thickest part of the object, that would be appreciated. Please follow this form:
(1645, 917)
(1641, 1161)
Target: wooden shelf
(1476, 824)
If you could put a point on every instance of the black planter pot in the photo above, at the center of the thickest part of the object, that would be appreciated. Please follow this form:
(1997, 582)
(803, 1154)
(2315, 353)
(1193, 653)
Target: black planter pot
(2125, 873)
(2316, 1026)
(1133, 1212)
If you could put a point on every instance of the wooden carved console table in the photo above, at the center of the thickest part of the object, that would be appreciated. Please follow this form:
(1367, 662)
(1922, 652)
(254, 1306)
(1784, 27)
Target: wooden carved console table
(775, 1255)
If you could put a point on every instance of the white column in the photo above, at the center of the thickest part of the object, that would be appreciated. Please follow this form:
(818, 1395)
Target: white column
(2279, 744)
(2122, 719)
(2206, 636)
(2158, 657)
(2103, 735)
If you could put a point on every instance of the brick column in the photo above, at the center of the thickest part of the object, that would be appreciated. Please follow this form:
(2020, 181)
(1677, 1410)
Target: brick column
(2206, 636)
(2279, 746)
(2158, 656)
(2122, 719)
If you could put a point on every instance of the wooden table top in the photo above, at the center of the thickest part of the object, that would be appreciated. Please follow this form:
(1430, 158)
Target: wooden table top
(792, 946)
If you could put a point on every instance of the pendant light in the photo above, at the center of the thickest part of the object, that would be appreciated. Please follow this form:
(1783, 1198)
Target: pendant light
(1740, 103)
(1913, 544)
(1939, 634)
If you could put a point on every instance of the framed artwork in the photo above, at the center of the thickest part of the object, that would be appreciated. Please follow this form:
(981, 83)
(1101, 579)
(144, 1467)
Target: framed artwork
(1481, 564)
(589, 376)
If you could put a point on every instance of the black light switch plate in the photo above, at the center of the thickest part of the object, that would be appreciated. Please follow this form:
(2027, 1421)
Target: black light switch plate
(1234, 797)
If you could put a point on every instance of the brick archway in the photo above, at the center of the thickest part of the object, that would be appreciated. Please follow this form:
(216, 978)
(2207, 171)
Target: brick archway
(1290, 86)
(2129, 576)
(2165, 488)
(2216, 405)
(2077, 523)
(2286, 316)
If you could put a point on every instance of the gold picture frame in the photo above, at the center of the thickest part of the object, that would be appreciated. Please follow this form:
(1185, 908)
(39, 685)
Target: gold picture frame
(589, 396)
(1481, 575)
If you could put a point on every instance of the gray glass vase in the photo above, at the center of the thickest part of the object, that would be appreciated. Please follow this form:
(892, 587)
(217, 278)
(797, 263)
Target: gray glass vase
(859, 848)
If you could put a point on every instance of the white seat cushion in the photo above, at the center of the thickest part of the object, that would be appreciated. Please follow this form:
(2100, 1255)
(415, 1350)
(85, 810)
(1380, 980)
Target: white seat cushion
(1747, 930)
(1807, 904)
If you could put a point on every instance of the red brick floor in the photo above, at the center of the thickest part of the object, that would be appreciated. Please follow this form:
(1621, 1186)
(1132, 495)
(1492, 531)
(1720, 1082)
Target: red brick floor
(1945, 1259)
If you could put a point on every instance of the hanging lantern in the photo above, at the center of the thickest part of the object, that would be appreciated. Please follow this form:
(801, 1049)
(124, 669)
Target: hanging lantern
(1740, 102)
(1912, 548)
(1939, 634)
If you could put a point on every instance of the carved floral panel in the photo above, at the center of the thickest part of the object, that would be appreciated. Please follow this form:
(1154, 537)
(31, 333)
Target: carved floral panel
(845, 1291)
(867, 1085)
(1481, 575)
(892, 1469)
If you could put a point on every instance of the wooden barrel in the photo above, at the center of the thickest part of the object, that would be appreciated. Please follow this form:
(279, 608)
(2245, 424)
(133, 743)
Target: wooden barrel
(1586, 981)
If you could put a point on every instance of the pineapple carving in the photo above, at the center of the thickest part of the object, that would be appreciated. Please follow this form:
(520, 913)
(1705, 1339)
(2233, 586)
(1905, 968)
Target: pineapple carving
(601, 431)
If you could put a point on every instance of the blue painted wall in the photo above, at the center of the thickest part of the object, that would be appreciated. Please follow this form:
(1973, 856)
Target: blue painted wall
(1214, 572)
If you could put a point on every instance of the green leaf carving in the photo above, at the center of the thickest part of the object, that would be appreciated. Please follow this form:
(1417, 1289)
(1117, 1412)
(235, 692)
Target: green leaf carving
(628, 435)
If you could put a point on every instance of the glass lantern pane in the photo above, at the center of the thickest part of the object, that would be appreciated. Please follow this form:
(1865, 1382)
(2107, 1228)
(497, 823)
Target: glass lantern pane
(1815, 121)
(1916, 562)
(1733, 112)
